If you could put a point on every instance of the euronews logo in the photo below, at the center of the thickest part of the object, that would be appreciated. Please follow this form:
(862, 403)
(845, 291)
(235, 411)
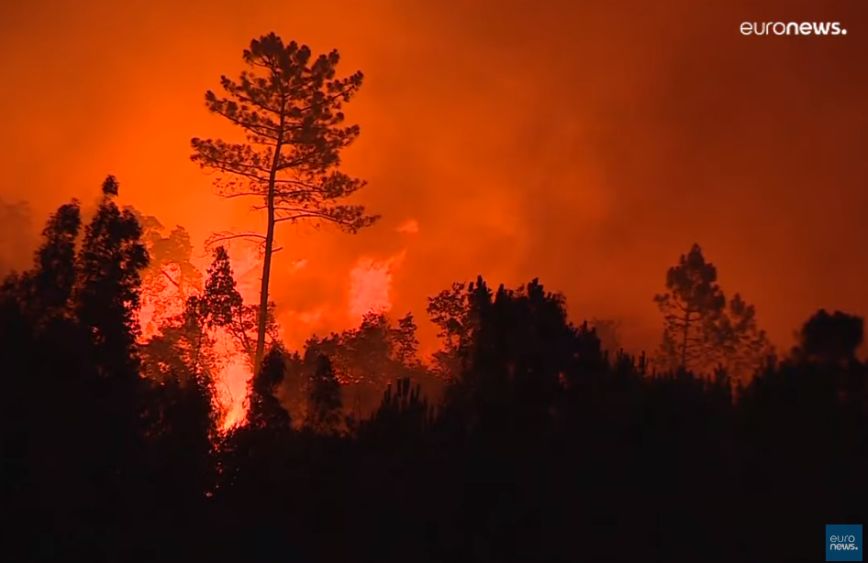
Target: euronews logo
(843, 542)
(792, 28)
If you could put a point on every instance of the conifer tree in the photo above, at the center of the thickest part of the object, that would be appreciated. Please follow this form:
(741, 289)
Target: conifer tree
(324, 399)
(289, 104)
(109, 266)
(702, 331)
(54, 277)
(692, 304)
(264, 409)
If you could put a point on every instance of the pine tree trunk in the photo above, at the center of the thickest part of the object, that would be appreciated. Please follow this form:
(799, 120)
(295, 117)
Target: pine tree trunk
(263, 289)
(684, 340)
(266, 261)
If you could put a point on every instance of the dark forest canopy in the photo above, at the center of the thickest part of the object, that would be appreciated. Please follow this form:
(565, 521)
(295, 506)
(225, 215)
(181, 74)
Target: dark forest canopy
(524, 440)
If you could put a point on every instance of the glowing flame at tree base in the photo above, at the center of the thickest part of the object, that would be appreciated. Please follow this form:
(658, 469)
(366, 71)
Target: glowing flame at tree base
(174, 275)
(231, 369)
(163, 302)
(231, 379)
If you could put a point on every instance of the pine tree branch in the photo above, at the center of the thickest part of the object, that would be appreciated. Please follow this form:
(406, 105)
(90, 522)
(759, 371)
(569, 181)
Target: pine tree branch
(168, 277)
(259, 129)
(224, 238)
(233, 195)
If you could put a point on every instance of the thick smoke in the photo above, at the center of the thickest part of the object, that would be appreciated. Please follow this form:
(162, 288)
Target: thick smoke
(588, 144)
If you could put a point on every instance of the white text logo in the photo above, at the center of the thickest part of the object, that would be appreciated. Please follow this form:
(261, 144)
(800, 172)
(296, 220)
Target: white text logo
(792, 28)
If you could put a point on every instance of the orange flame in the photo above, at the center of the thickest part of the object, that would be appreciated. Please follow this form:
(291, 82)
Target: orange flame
(162, 300)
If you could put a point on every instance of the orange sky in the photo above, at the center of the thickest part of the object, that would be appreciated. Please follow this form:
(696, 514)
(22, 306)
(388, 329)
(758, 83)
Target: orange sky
(585, 143)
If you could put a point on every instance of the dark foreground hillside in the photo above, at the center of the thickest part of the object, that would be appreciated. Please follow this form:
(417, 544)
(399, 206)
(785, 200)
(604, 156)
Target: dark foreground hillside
(529, 443)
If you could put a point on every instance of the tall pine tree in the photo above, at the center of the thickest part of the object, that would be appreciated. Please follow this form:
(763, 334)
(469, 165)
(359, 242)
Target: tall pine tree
(289, 105)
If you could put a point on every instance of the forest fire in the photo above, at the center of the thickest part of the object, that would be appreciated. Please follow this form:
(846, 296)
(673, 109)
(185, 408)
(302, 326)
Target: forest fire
(415, 282)
(174, 275)
(232, 379)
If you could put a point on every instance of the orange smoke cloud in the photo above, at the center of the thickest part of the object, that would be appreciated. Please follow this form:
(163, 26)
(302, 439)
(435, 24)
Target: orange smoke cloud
(408, 227)
(588, 144)
(371, 285)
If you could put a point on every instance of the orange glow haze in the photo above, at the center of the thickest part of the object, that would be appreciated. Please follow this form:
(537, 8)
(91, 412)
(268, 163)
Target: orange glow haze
(585, 144)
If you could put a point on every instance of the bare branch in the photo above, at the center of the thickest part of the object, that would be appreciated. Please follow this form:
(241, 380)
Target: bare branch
(223, 238)
(168, 277)
(242, 194)
(312, 215)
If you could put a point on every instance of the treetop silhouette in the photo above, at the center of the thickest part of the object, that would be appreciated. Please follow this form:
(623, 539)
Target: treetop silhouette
(702, 331)
(831, 337)
(109, 267)
(692, 303)
(264, 409)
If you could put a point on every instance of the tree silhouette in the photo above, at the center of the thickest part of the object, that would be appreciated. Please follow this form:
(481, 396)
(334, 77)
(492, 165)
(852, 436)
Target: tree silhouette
(221, 302)
(367, 358)
(289, 105)
(110, 262)
(405, 343)
(182, 416)
(608, 332)
(85, 444)
(692, 304)
(324, 398)
(740, 347)
(830, 338)
(49, 286)
(221, 306)
(702, 332)
(402, 416)
(455, 312)
(264, 409)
